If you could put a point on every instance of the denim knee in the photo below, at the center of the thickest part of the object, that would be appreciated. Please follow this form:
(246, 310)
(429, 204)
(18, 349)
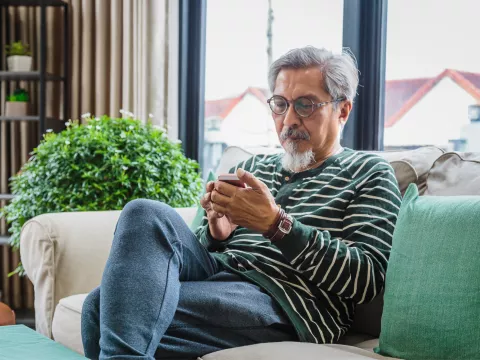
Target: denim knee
(146, 208)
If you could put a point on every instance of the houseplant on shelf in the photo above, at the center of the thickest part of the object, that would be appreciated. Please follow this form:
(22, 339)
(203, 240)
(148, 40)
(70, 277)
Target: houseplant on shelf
(101, 165)
(18, 57)
(17, 104)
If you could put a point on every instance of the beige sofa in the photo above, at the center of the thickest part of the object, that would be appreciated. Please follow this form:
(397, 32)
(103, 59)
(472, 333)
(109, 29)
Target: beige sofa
(64, 255)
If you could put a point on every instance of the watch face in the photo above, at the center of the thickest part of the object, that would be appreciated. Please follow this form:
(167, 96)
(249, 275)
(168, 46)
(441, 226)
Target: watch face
(285, 226)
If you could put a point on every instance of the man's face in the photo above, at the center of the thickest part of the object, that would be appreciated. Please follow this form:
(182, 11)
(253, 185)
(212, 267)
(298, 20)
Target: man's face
(320, 131)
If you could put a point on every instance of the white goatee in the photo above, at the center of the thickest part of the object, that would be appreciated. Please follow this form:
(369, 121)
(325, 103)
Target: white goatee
(295, 161)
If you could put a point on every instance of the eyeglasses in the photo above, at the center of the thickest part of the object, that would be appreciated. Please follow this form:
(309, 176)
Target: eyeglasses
(303, 106)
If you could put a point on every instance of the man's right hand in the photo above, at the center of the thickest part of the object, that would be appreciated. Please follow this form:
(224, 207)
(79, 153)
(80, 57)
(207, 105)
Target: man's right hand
(220, 225)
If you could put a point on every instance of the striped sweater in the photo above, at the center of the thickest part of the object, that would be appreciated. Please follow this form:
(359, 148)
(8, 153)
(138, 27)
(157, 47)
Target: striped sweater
(336, 254)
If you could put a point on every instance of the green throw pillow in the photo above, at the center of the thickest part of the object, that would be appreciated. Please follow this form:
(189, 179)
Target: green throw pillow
(197, 221)
(432, 294)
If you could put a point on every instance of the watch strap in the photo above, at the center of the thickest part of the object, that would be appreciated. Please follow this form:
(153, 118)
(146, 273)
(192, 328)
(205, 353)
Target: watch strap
(281, 227)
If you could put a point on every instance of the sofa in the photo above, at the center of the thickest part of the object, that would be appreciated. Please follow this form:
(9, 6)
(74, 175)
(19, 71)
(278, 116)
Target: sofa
(64, 255)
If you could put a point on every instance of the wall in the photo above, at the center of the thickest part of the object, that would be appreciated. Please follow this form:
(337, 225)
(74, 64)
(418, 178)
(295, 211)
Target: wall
(437, 118)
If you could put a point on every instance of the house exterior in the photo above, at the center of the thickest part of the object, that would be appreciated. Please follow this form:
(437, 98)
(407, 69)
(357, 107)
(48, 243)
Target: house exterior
(431, 111)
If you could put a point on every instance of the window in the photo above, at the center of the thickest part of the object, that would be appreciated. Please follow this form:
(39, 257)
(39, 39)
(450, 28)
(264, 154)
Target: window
(236, 90)
(432, 75)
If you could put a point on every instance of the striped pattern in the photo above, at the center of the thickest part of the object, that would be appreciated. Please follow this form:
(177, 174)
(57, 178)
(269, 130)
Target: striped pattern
(336, 254)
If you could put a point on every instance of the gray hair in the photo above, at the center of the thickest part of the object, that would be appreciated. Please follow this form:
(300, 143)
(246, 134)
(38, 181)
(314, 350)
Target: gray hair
(340, 72)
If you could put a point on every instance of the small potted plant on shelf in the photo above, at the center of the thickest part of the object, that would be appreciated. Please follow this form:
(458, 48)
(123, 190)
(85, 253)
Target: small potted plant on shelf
(18, 103)
(18, 57)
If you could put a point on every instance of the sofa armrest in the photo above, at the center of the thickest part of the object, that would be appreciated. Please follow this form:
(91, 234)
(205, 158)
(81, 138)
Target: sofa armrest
(65, 253)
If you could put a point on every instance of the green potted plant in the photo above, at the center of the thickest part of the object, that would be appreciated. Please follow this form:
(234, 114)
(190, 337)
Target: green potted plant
(17, 104)
(101, 165)
(18, 57)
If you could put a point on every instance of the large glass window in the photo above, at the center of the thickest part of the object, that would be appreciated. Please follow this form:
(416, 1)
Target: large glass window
(238, 42)
(433, 75)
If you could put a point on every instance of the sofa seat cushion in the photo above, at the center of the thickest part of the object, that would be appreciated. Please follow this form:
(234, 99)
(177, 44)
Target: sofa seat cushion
(293, 350)
(66, 331)
(66, 322)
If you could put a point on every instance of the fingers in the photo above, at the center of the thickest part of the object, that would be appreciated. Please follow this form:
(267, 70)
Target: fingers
(206, 200)
(219, 209)
(206, 203)
(249, 179)
(210, 186)
(225, 188)
(220, 199)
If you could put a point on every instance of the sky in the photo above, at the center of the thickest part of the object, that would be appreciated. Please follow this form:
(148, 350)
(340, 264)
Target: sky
(424, 37)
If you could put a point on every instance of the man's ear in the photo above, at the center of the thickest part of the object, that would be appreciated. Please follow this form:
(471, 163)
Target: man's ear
(345, 108)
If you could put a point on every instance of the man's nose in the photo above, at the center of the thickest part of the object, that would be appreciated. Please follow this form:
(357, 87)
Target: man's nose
(291, 118)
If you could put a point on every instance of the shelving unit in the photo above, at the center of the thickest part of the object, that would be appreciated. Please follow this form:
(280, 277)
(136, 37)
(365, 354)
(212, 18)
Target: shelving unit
(40, 77)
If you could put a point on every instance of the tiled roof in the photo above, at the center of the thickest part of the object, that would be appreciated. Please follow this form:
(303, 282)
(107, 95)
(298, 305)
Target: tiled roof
(222, 107)
(415, 89)
(397, 92)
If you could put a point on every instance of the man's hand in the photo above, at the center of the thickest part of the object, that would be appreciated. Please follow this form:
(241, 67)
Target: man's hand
(253, 207)
(220, 225)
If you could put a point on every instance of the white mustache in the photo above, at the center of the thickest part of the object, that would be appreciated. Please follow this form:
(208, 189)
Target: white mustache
(291, 132)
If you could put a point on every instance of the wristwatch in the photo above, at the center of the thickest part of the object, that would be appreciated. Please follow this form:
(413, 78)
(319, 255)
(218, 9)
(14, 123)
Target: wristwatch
(281, 227)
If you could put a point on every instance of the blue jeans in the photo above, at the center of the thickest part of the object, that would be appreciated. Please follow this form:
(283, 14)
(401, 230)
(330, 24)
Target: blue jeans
(164, 296)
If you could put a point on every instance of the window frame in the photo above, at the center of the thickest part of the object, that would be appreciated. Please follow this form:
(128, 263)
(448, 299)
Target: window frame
(364, 32)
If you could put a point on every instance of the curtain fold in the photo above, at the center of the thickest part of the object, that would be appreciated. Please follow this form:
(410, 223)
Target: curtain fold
(123, 55)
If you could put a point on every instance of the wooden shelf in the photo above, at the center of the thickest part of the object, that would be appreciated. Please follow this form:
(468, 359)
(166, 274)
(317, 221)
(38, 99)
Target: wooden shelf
(32, 2)
(27, 76)
(21, 118)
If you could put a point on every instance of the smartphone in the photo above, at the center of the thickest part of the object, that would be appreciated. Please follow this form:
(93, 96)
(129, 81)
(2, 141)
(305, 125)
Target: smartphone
(231, 179)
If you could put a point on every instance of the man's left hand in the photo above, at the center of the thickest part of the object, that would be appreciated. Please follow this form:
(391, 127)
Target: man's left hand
(253, 207)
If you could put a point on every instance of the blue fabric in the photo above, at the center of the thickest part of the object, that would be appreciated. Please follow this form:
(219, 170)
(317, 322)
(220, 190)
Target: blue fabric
(164, 296)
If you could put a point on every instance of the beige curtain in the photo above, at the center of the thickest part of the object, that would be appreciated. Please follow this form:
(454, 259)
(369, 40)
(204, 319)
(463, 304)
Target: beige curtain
(123, 56)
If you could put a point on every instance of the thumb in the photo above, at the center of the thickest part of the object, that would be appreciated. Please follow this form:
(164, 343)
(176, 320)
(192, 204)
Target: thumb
(249, 179)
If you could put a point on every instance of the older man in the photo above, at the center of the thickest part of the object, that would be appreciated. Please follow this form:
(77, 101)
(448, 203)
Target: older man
(286, 258)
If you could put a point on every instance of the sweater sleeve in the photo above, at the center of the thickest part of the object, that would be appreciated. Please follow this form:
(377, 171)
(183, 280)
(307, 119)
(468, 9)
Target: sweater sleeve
(352, 266)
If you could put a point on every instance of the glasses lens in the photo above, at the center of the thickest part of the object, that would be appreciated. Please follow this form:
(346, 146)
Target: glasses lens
(278, 105)
(304, 106)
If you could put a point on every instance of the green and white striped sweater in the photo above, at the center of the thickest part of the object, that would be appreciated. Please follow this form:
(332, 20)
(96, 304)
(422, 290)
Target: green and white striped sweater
(336, 254)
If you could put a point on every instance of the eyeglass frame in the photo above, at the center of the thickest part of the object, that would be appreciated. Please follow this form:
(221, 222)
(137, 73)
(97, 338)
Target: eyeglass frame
(315, 106)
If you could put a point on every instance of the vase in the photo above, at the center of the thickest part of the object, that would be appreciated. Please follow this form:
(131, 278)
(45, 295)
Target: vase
(17, 108)
(19, 63)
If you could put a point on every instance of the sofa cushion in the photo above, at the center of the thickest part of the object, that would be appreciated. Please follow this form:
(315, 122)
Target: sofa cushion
(412, 166)
(66, 322)
(293, 350)
(66, 331)
(433, 284)
(455, 174)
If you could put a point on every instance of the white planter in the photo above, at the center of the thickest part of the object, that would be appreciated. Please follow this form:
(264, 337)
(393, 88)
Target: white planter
(19, 63)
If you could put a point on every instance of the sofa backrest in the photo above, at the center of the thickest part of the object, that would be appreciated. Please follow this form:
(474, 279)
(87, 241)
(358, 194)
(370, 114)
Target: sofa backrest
(455, 174)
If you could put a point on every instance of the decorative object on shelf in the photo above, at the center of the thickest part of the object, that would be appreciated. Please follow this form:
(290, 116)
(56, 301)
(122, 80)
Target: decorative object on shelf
(18, 57)
(101, 165)
(18, 104)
